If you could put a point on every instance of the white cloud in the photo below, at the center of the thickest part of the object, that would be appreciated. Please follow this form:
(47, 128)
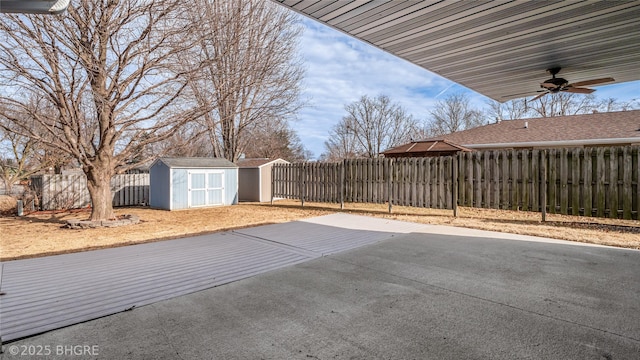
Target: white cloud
(340, 69)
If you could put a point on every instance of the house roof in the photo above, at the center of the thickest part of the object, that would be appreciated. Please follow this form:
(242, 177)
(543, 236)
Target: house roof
(198, 163)
(500, 49)
(257, 162)
(622, 127)
(426, 146)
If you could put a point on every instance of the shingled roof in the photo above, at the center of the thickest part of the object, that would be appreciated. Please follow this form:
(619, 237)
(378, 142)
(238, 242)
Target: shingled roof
(198, 162)
(612, 128)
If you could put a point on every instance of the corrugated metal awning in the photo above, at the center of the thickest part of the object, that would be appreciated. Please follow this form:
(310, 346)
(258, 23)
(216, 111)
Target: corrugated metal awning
(500, 49)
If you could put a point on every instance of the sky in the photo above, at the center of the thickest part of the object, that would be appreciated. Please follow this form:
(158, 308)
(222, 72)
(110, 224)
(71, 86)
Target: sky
(341, 69)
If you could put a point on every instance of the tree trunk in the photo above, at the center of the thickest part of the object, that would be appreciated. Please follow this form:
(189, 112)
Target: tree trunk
(99, 186)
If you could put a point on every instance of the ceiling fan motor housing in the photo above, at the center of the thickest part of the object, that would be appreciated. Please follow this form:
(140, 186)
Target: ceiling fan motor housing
(554, 83)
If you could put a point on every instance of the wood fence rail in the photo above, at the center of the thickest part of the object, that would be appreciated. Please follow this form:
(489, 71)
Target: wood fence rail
(70, 191)
(599, 182)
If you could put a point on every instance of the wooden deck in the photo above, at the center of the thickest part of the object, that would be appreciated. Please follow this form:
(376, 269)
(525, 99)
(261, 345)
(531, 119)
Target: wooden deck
(46, 293)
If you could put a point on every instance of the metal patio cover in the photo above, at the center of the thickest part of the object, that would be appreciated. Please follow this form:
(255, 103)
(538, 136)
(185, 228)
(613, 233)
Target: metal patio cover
(34, 6)
(500, 49)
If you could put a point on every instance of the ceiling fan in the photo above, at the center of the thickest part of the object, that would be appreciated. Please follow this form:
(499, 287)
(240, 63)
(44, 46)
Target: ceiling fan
(555, 84)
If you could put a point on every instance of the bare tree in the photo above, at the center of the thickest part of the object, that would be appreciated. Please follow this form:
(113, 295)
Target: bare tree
(22, 156)
(17, 160)
(276, 140)
(560, 104)
(510, 110)
(371, 126)
(613, 104)
(189, 141)
(565, 103)
(106, 67)
(251, 74)
(452, 114)
(341, 144)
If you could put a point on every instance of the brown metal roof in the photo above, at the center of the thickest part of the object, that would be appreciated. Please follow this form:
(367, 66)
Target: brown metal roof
(425, 147)
(599, 128)
(500, 49)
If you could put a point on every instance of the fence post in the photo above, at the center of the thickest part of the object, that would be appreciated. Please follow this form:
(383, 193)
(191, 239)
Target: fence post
(273, 177)
(389, 186)
(20, 208)
(342, 184)
(543, 184)
(301, 182)
(454, 184)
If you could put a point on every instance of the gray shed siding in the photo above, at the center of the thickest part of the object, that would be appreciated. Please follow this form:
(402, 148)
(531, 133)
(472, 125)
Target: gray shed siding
(159, 193)
(249, 185)
(169, 185)
(255, 179)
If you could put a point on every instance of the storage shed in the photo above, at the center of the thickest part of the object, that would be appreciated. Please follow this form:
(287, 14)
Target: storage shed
(182, 183)
(254, 179)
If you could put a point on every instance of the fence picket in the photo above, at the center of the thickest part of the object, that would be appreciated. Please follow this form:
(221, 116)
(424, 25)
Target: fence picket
(600, 182)
(534, 182)
(613, 184)
(574, 192)
(564, 182)
(587, 182)
(70, 191)
(627, 192)
(524, 182)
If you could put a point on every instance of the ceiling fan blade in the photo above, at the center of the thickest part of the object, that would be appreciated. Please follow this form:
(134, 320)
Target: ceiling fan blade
(579, 90)
(592, 82)
(539, 96)
(549, 86)
(528, 93)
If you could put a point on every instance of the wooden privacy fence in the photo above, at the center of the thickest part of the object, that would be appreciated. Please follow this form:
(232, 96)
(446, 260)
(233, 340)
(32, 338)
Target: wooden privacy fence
(70, 191)
(423, 182)
(600, 182)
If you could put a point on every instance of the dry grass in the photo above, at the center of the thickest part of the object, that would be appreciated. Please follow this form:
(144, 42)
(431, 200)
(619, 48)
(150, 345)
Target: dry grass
(42, 234)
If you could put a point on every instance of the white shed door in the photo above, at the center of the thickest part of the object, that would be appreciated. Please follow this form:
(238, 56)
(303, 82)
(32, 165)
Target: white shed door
(206, 188)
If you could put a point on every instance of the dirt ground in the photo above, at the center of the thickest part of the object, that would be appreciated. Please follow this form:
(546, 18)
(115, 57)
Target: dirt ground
(42, 234)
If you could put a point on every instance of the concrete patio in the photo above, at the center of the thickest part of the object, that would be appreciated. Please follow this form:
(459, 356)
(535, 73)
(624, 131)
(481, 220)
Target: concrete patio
(415, 291)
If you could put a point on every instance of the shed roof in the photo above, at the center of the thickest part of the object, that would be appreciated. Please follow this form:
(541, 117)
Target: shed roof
(426, 146)
(199, 163)
(589, 129)
(257, 162)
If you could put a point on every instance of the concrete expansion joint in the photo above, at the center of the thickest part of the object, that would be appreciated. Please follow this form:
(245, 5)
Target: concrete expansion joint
(162, 327)
(296, 249)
